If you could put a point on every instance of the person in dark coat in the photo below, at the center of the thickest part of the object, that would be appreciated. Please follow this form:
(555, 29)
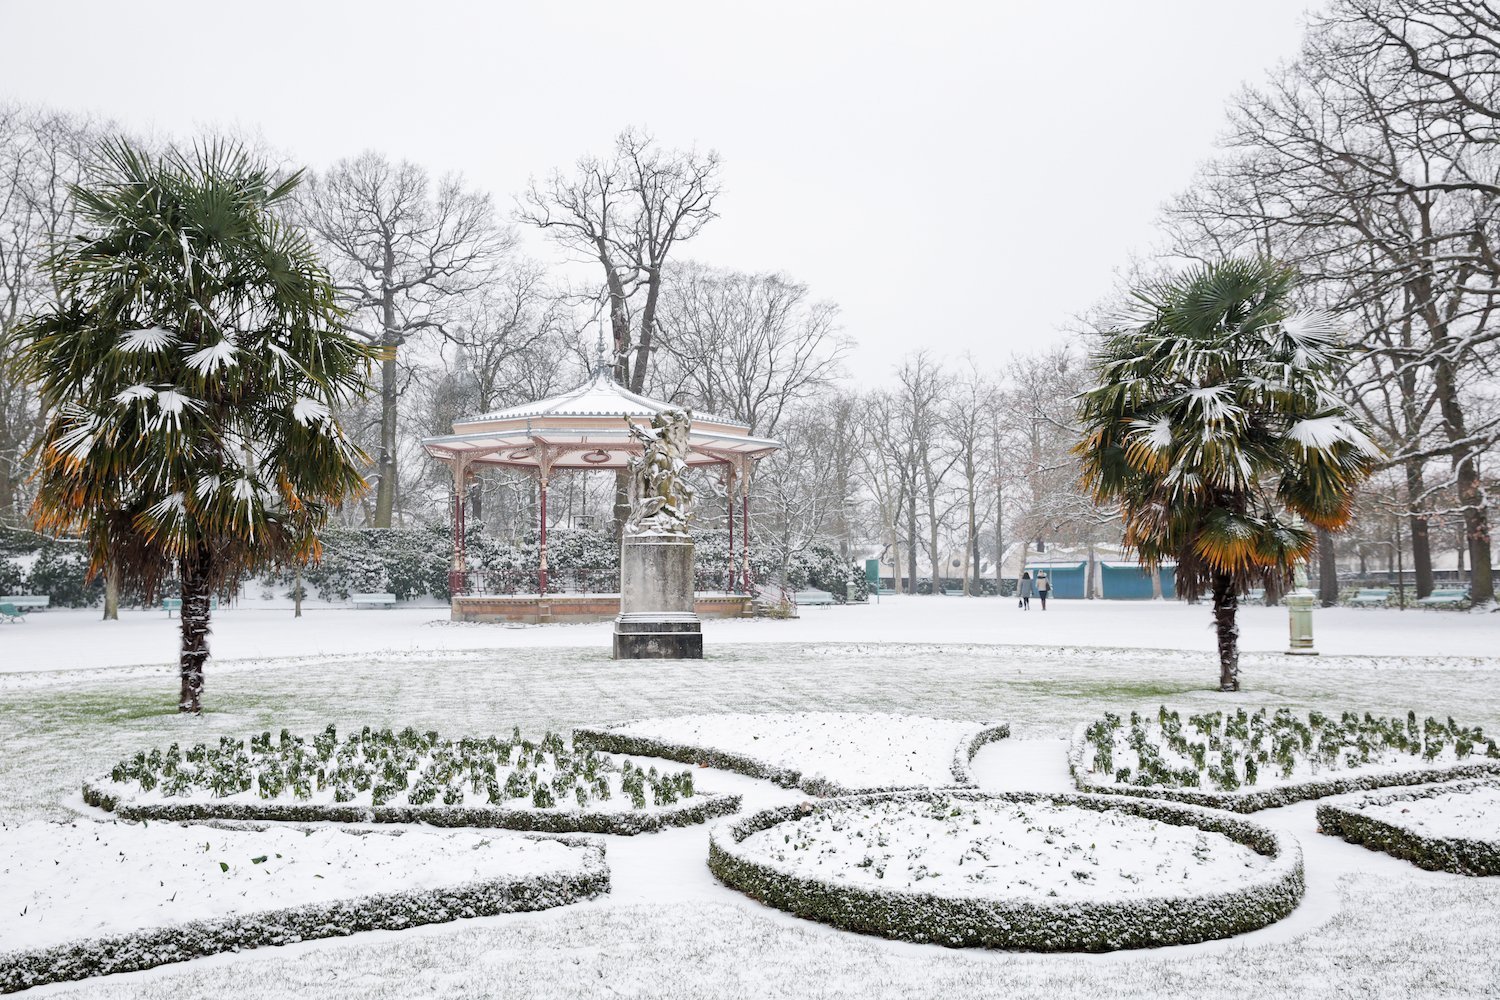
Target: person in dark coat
(1024, 589)
(1043, 588)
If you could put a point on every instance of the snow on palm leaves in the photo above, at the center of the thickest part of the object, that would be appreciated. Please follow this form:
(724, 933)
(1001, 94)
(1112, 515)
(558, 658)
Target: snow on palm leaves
(1215, 420)
(192, 360)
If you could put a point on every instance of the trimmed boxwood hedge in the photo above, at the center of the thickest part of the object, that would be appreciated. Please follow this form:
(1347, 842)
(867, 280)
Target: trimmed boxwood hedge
(1270, 797)
(1460, 855)
(145, 949)
(624, 823)
(1104, 925)
(610, 740)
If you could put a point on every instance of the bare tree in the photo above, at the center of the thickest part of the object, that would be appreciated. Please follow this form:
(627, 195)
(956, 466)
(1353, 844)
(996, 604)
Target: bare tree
(406, 255)
(627, 213)
(748, 346)
(970, 419)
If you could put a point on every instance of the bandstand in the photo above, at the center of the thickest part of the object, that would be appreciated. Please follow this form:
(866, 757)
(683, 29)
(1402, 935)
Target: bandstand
(585, 429)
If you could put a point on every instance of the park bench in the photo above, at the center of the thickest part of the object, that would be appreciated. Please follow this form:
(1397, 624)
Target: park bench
(1444, 597)
(27, 602)
(11, 613)
(1367, 596)
(808, 598)
(171, 604)
(373, 600)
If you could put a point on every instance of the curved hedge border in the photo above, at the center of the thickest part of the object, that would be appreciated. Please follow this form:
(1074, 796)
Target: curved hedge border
(610, 740)
(1032, 926)
(145, 949)
(624, 823)
(1272, 797)
(1459, 855)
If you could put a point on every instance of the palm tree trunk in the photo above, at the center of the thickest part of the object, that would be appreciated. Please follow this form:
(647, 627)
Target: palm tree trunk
(193, 570)
(111, 592)
(1226, 604)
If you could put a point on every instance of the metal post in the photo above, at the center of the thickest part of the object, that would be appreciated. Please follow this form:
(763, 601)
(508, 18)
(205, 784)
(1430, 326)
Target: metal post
(749, 581)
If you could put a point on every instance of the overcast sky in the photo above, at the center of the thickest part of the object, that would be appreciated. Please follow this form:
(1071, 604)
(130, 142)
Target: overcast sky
(963, 176)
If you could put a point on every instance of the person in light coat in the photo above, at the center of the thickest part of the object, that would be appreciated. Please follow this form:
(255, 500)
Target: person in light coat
(1024, 589)
(1043, 588)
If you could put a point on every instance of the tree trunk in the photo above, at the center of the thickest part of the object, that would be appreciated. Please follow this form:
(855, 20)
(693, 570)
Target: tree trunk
(1421, 539)
(1470, 489)
(111, 593)
(385, 464)
(297, 593)
(911, 541)
(1226, 604)
(194, 573)
(1156, 589)
(1328, 570)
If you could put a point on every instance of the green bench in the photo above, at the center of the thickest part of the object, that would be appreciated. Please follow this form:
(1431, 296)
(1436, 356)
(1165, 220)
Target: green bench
(1369, 596)
(386, 601)
(11, 613)
(27, 602)
(1445, 597)
(808, 598)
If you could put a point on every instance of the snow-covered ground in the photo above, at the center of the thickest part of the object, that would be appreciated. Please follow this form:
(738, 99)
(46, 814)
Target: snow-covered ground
(1369, 925)
(1469, 811)
(65, 639)
(853, 751)
(61, 883)
(1031, 852)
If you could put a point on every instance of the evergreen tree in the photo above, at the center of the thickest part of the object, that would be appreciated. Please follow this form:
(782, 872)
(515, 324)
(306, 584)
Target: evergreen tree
(191, 368)
(1215, 424)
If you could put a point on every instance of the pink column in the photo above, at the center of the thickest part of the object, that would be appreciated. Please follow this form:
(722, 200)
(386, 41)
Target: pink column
(542, 569)
(729, 506)
(745, 531)
(458, 574)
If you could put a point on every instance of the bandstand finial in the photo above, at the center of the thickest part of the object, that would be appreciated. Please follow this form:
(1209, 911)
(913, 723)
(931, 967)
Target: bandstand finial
(602, 365)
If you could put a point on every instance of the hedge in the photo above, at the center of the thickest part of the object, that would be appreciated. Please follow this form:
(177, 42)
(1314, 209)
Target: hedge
(1459, 855)
(624, 823)
(1271, 797)
(610, 740)
(151, 947)
(1104, 925)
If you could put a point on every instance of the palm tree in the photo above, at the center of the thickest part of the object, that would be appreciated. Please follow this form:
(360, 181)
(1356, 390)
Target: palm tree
(191, 366)
(1217, 428)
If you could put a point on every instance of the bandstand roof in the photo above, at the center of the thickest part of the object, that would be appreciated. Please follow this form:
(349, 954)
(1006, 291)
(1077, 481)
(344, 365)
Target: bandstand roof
(585, 429)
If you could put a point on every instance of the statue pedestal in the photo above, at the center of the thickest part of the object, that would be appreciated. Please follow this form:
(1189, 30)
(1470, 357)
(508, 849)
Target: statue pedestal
(657, 620)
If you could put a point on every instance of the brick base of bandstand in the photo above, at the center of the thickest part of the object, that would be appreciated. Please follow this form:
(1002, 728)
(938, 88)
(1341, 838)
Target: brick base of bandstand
(537, 609)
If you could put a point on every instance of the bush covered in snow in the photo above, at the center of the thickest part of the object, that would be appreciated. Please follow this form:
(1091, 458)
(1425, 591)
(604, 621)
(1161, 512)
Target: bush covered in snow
(126, 897)
(1247, 761)
(1453, 827)
(57, 568)
(382, 776)
(1019, 870)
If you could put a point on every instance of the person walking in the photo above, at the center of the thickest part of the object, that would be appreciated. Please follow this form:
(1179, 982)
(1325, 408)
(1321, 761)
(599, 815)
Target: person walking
(1024, 590)
(1043, 588)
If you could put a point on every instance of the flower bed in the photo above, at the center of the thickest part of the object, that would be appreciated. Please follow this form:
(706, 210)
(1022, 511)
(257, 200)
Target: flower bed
(89, 899)
(407, 777)
(823, 753)
(1248, 761)
(1452, 827)
(1018, 870)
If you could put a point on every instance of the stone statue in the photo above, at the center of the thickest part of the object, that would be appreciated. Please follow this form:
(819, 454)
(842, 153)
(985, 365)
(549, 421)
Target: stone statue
(661, 498)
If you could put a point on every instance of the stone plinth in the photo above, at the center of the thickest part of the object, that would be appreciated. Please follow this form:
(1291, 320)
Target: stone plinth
(657, 615)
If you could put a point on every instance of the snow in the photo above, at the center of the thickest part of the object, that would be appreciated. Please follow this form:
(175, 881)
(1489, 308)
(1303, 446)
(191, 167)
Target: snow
(1471, 812)
(309, 411)
(854, 751)
(208, 360)
(1007, 850)
(75, 639)
(65, 882)
(152, 338)
(76, 694)
(1323, 433)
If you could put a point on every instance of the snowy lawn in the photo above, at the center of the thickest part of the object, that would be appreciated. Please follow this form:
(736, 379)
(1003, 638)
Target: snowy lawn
(1470, 811)
(822, 752)
(668, 929)
(1003, 849)
(64, 882)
